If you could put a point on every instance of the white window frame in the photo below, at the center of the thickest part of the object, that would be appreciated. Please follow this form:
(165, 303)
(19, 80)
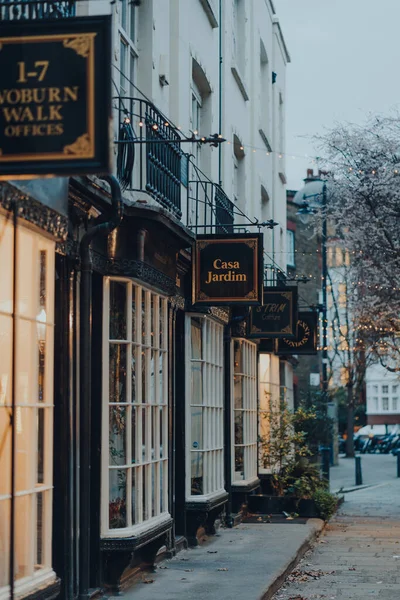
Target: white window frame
(385, 389)
(128, 40)
(290, 247)
(247, 371)
(211, 447)
(34, 395)
(395, 404)
(385, 403)
(150, 462)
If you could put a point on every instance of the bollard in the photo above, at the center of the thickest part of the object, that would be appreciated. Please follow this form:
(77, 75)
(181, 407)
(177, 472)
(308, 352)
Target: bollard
(398, 464)
(326, 459)
(358, 470)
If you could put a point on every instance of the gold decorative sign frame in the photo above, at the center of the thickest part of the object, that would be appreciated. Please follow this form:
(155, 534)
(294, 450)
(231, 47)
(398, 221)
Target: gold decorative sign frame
(68, 146)
(252, 296)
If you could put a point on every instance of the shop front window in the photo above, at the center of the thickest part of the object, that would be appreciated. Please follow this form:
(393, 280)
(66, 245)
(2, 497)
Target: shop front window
(244, 411)
(205, 407)
(33, 422)
(135, 407)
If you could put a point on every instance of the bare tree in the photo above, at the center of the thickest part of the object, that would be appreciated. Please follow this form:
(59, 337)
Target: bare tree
(364, 204)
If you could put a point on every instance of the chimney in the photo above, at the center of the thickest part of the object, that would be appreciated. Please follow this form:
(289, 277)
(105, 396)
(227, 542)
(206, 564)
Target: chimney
(310, 173)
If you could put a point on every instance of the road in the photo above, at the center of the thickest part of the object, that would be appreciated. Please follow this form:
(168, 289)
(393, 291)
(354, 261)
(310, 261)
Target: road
(358, 556)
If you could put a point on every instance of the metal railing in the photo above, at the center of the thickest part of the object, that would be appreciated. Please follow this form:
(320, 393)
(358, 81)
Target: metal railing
(209, 210)
(154, 167)
(11, 10)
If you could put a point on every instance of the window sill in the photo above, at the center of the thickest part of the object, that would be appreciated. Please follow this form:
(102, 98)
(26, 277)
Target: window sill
(207, 503)
(137, 536)
(240, 81)
(210, 12)
(247, 485)
(41, 586)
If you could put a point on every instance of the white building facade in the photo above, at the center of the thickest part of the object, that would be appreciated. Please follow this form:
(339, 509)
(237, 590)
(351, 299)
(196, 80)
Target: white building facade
(383, 396)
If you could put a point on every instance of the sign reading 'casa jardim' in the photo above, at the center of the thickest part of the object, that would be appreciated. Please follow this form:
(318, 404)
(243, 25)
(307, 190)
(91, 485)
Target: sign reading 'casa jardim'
(227, 269)
(277, 317)
(54, 97)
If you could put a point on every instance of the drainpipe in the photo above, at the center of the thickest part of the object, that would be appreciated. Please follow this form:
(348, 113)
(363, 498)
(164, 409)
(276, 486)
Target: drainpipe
(86, 383)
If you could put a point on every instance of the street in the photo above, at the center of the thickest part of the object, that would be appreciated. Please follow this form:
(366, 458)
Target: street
(359, 553)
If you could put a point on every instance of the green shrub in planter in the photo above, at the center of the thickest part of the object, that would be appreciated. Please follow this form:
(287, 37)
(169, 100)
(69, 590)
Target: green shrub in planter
(326, 503)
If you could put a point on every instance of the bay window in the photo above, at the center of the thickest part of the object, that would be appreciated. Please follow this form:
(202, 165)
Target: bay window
(33, 420)
(244, 411)
(135, 408)
(204, 408)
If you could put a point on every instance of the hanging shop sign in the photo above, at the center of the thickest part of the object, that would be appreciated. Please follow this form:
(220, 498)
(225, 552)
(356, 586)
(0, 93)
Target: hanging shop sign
(55, 97)
(306, 339)
(277, 317)
(227, 270)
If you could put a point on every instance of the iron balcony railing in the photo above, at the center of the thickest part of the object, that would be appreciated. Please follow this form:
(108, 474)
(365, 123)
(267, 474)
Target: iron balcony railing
(11, 10)
(149, 166)
(209, 209)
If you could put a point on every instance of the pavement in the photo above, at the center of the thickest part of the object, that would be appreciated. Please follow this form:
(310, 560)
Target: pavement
(376, 468)
(358, 555)
(355, 556)
(248, 562)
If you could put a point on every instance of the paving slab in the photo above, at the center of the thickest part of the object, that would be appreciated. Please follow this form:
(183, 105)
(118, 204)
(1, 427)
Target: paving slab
(248, 562)
(358, 555)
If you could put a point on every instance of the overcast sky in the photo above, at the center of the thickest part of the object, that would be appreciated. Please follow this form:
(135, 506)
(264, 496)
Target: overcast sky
(344, 66)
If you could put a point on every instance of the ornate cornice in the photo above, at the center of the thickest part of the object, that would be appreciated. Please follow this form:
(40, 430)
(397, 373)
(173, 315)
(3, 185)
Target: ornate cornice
(178, 302)
(133, 543)
(34, 212)
(127, 267)
(220, 313)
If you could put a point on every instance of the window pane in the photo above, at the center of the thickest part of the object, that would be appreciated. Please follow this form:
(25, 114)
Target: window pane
(40, 540)
(134, 492)
(117, 437)
(25, 443)
(134, 434)
(197, 383)
(144, 377)
(239, 438)
(196, 339)
(145, 492)
(135, 349)
(152, 398)
(160, 410)
(117, 373)
(134, 333)
(239, 463)
(4, 539)
(196, 473)
(40, 445)
(197, 428)
(162, 397)
(118, 329)
(117, 499)
(23, 536)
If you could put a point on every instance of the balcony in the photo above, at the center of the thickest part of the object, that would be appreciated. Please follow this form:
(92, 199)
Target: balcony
(155, 166)
(11, 10)
(209, 209)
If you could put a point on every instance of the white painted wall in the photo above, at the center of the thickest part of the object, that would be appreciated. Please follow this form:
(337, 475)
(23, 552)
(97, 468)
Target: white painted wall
(170, 34)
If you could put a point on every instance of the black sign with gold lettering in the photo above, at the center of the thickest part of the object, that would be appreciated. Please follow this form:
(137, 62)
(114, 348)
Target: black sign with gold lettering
(277, 317)
(306, 339)
(54, 97)
(228, 270)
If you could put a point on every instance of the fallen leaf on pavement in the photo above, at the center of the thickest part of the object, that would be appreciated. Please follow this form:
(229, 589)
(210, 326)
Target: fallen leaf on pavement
(188, 570)
(222, 569)
(212, 551)
(148, 580)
